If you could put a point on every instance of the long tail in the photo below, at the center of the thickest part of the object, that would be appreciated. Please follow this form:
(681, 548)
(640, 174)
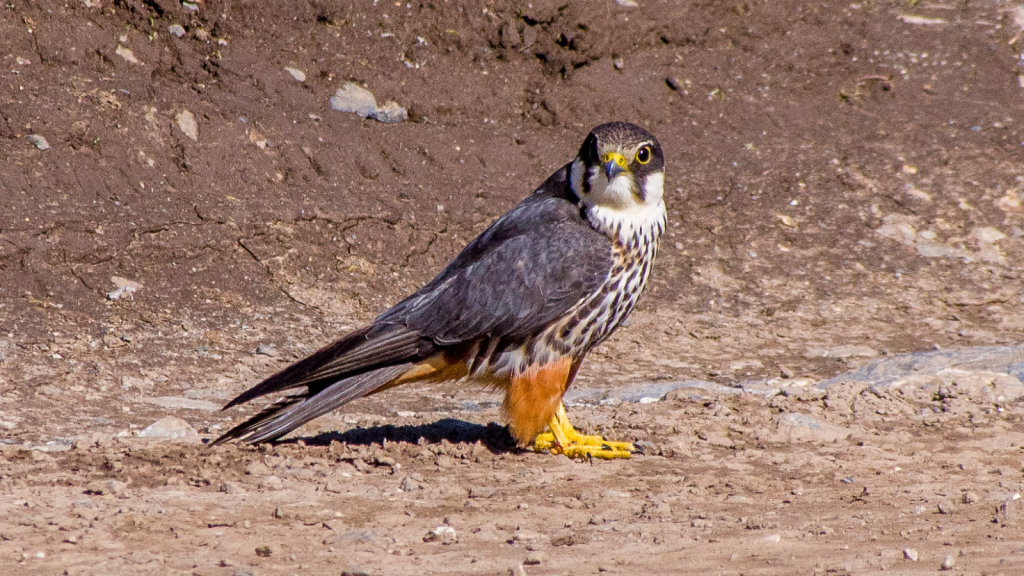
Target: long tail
(358, 364)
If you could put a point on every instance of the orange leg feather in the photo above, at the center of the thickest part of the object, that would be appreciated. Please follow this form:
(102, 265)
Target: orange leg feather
(533, 398)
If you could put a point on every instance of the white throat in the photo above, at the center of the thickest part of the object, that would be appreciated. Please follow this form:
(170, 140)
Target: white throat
(617, 211)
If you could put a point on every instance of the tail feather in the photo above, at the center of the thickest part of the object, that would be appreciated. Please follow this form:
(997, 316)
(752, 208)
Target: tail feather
(354, 366)
(290, 412)
(363, 350)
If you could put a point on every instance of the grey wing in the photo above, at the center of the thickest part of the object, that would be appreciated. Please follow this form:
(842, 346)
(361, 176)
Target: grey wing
(516, 286)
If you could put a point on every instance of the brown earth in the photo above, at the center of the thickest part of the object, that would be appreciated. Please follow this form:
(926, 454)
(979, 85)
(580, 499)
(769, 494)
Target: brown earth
(845, 181)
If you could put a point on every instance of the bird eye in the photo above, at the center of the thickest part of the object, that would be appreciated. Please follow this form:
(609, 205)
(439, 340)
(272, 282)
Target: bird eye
(643, 155)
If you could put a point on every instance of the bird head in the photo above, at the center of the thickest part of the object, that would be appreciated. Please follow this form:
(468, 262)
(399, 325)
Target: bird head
(620, 168)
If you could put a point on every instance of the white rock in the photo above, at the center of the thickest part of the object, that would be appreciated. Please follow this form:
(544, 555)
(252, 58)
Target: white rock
(987, 235)
(299, 75)
(354, 98)
(899, 231)
(442, 534)
(38, 141)
(125, 287)
(176, 30)
(169, 427)
(127, 54)
(187, 123)
(921, 20)
(910, 554)
(390, 113)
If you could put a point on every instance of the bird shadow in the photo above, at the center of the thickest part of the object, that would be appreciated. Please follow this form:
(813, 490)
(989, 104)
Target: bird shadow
(494, 437)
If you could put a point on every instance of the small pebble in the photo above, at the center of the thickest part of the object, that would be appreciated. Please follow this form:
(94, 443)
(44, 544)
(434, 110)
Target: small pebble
(107, 487)
(354, 98)
(264, 552)
(169, 427)
(618, 63)
(38, 141)
(672, 83)
(124, 287)
(481, 492)
(355, 571)
(410, 483)
(267, 350)
(910, 554)
(970, 497)
(534, 558)
(229, 487)
(299, 75)
(945, 507)
(272, 483)
(517, 570)
(187, 124)
(947, 562)
(390, 113)
(442, 534)
(176, 30)
(127, 54)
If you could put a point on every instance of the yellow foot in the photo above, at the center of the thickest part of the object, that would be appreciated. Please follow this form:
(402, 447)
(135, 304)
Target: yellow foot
(564, 439)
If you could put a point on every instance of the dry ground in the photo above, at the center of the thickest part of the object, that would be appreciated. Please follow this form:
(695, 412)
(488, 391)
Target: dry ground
(845, 183)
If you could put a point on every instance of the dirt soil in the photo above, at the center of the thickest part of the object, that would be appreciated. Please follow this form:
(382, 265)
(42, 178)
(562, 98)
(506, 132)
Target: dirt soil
(181, 216)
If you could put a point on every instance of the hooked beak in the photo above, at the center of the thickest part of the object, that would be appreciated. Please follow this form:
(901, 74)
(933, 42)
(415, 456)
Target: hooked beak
(614, 164)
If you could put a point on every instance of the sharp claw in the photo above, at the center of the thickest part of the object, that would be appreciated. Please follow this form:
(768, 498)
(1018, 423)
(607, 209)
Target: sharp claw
(638, 449)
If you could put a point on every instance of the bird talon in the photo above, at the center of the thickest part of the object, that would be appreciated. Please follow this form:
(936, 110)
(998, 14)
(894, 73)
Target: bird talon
(564, 439)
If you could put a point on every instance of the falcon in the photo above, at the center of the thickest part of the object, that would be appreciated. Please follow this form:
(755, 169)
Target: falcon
(517, 310)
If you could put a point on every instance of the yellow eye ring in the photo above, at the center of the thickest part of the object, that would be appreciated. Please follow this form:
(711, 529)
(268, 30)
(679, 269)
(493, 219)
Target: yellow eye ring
(643, 155)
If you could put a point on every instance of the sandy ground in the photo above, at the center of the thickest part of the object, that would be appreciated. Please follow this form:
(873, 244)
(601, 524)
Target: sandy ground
(844, 185)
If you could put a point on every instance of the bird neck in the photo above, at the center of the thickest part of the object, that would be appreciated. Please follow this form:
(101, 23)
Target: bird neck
(635, 228)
